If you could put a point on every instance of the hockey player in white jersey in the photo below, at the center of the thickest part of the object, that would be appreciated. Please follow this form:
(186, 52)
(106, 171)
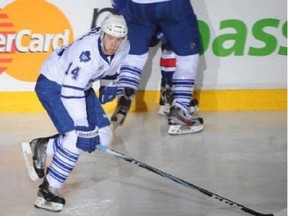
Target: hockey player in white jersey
(64, 88)
(179, 24)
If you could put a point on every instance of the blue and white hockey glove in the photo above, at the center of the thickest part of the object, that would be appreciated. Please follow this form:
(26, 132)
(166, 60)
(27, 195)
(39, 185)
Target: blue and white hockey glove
(107, 93)
(88, 138)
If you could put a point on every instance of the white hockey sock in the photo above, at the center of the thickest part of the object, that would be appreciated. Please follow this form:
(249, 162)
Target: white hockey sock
(62, 165)
(52, 145)
(184, 80)
(130, 71)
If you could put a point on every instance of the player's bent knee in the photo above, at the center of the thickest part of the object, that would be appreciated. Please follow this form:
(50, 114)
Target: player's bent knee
(69, 142)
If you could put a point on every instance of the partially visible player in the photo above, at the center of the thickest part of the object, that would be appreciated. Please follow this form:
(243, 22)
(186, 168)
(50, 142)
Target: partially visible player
(64, 88)
(168, 67)
(175, 18)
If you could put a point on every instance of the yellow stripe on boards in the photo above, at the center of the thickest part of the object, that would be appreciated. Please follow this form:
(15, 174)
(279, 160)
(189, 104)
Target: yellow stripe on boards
(209, 100)
(12, 102)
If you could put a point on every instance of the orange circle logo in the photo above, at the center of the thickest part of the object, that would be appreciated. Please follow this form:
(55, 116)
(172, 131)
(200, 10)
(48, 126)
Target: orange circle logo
(29, 31)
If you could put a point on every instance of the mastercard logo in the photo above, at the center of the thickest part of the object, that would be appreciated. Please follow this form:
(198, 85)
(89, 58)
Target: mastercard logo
(29, 31)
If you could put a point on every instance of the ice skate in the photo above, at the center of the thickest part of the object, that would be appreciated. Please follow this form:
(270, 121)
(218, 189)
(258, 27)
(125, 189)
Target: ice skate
(48, 198)
(166, 99)
(181, 122)
(120, 113)
(36, 150)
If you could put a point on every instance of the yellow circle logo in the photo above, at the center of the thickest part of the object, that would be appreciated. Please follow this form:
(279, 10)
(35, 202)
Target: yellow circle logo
(29, 31)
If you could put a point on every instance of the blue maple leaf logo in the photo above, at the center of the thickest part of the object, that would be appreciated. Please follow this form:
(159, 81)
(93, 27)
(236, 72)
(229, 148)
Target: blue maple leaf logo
(85, 56)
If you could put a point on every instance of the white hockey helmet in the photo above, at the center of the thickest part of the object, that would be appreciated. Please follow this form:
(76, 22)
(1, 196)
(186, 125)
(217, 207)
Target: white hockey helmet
(114, 25)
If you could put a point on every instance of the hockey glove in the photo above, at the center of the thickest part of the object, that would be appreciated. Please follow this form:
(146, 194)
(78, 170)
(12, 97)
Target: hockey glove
(88, 138)
(107, 93)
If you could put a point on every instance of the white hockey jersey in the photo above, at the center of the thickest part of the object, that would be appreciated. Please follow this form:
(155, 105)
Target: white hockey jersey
(76, 66)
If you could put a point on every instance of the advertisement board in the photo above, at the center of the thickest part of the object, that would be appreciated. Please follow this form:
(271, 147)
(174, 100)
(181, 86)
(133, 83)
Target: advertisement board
(244, 50)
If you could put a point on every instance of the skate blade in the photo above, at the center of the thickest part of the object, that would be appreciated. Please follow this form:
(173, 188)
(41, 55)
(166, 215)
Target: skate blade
(27, 153)
(49, 206)
(181, 129)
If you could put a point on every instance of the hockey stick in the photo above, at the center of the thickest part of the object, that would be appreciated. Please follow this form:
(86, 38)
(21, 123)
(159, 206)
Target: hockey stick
(180, 181)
